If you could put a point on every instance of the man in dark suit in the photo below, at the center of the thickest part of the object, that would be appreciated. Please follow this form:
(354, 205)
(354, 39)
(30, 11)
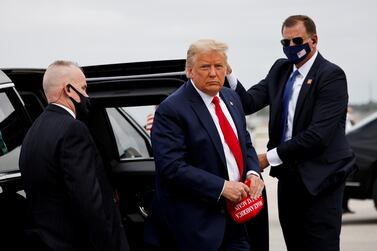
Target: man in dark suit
(71, 202)
(198, 169)
(307, 148)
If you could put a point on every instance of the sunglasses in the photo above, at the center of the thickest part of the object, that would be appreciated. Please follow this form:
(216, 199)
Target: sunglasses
(296, 40)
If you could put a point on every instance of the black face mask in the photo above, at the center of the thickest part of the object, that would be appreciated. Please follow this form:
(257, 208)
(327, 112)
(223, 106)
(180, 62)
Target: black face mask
(82, 108)
(297, 53)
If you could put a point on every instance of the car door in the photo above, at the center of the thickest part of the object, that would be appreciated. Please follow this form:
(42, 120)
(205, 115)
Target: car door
(120, 105)
(14, 123)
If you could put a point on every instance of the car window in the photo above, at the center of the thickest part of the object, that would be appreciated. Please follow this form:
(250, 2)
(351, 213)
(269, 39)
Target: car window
(9, 135)
(34, 104)
(129, 139)
(6, 110)
(143, 115)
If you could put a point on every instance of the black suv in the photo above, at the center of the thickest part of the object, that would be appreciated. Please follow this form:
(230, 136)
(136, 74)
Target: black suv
(121, 95)
(362, 184)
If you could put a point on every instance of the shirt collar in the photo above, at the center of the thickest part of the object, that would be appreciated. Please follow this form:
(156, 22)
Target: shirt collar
(304, 69)
(65, 108)
(207, 99)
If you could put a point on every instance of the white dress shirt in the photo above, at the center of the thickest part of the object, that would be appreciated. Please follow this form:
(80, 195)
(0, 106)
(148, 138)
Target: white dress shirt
(233, 171)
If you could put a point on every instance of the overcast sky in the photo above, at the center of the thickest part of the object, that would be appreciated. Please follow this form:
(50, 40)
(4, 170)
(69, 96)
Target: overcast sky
(35, 33)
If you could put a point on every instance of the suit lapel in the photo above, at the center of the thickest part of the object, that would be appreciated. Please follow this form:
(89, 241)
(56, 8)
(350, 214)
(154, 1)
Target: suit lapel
(234, 112)
(205, 118)
(306, 85)
(276, 117)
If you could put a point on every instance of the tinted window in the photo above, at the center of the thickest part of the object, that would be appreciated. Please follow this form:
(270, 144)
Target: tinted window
(6, 109)
(129, 139)
(143, 115)
(11, 134)
(34, 104)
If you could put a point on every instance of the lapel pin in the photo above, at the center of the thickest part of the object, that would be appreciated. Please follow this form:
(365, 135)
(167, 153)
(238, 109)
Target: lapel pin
(309, 82)
(230, 102)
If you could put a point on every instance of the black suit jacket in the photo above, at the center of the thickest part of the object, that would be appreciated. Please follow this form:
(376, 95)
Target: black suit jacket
(71, 202)
(191, 168)
(318, 148)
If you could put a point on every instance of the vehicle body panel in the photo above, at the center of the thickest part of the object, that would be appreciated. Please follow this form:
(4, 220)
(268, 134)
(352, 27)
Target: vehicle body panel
(362, 184)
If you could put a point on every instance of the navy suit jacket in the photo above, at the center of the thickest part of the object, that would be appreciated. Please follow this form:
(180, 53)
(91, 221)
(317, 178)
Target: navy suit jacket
(70, 200)
(191, 167)
(318, 149)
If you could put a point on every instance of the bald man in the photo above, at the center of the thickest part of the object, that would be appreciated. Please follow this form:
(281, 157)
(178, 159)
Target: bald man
(70, 200)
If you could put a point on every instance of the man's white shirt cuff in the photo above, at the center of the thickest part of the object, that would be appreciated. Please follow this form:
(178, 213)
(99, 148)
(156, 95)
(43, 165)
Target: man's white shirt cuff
(252, 172)
(273, 158)
(221, 192)
(232, 80)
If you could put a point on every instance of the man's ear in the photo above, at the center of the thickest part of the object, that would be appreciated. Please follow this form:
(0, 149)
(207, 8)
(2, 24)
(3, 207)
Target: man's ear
(189, 72)
(314, 39)
(67, 88)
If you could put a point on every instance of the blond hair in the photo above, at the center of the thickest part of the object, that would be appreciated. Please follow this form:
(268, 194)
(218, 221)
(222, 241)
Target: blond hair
(202, 46)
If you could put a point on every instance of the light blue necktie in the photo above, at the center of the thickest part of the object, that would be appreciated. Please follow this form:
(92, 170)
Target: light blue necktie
(286, 98)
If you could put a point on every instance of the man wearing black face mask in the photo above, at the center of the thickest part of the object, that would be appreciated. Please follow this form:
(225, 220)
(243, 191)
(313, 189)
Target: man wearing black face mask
(70, 200)
(307, 148)
(82, 107)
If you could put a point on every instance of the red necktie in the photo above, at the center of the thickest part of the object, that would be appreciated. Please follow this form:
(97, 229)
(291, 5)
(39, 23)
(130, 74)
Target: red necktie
(229, 135)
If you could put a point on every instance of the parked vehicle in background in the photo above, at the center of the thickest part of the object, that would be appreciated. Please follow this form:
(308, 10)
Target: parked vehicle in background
(121, 95)
(362, 137)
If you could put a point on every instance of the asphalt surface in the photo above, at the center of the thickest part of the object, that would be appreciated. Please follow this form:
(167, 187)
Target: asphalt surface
(359, 229)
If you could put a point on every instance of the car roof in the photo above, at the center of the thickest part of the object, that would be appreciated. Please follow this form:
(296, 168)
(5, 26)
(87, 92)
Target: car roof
(27, 79)
(365, 121)
(125, 84)
(162, 67)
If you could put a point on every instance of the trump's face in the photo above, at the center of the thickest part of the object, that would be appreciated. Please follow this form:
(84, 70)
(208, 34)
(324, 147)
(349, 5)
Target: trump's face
(208, 72)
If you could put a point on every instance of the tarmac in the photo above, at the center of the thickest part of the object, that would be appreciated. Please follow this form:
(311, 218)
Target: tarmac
(359, 229)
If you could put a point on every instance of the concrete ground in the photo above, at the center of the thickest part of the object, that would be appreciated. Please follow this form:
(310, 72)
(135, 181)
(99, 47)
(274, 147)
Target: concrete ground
(359, 229)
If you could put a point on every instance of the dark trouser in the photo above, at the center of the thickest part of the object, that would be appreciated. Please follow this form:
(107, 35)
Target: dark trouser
(258, 229)
(235, 238)
(34, 242)
(310, 223)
